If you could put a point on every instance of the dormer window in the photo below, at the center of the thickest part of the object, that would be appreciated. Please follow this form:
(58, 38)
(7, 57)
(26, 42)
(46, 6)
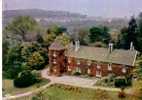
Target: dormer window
(109, 67)
(54, 54)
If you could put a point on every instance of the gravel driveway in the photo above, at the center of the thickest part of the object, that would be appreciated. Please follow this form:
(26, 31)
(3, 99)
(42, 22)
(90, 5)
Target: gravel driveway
(73, 80)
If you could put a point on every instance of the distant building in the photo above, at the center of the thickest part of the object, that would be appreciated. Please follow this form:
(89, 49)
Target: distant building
(95, 61)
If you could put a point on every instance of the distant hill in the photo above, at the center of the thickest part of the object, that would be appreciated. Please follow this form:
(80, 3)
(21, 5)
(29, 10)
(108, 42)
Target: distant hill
(64, 18)
(41, 14)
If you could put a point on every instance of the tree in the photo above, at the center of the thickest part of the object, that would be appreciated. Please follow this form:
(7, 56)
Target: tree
(95, 33)
(83, 33)
(24, 79)
(21, 25)
(13, 62)
(27, 49)
(64, 39)
(36, 61)
(129, 34)
(48, 38)
(57, 30)
(138, 44)
(132, 33)
(40, 39)
(99, 34)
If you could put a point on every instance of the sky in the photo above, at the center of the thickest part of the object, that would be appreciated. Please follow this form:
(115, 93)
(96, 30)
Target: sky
(103, 8)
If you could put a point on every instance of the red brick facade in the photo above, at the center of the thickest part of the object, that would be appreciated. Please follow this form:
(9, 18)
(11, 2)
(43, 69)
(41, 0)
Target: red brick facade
(59, 63)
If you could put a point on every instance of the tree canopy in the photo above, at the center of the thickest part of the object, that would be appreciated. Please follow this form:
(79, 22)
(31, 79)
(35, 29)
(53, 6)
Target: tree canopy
(21, 25)
(99, 34)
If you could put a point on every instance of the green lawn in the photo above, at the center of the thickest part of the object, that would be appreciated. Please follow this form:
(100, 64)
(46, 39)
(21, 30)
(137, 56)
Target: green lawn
(63, 92)
(66, 92)
(10, 89)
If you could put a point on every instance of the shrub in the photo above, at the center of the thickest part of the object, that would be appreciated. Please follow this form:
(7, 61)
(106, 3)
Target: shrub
(120, 82)
(77, 73)
(24, 79)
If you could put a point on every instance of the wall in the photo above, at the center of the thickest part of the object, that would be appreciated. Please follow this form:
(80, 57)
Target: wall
(103, 70)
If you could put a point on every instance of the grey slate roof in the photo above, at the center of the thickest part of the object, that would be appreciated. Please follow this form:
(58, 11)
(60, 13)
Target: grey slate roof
(117, 56)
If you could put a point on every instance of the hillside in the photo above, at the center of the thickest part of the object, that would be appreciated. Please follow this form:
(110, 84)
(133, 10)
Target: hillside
(64, 18)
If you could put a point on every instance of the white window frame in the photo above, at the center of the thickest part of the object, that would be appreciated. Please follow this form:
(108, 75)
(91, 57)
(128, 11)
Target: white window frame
(78, 62)
(98, 66)
(69, 61)
(109, 67)
(89, 71)
(98, 73)
(124, 70)
(54, 54)
(54, 61)
(69, 69)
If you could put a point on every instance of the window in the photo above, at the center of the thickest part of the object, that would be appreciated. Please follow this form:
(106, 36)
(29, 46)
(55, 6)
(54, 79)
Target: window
(109, 67)
(78, 62)
(69, 69)
(88, 63)
(54, 54)
(98, 66)
(88, 71)
(54, 61)
(124, 70)
(69, 61)
(98, 73)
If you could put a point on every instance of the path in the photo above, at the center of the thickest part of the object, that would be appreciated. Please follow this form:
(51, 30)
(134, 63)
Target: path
(67, 80)
(76, 81)
(27, 93)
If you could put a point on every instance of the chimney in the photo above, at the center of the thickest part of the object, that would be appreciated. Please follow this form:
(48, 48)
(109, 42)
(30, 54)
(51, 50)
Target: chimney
(131, 46)
(77, 45)
(110, 47)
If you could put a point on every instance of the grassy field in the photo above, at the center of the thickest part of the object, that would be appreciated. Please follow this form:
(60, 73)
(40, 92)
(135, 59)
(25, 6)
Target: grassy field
(63, 92)
(8, 87)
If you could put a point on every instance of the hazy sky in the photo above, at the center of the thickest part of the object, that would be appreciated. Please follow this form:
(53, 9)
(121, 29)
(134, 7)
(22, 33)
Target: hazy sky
(105, 8)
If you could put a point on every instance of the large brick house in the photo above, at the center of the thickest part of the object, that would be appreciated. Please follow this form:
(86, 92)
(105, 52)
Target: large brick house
(95, 61)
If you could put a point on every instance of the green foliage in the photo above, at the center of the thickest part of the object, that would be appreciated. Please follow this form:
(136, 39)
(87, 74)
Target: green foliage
(120, 82)
(57, 30)
(23, 57)
(138, 69)
(40, 38)
(13, 63)
(132, 33)
(36, 61)
(21, 25)
(27, 49)
(99, 34)
(64, 39)
(48, 38)
(24, 79)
